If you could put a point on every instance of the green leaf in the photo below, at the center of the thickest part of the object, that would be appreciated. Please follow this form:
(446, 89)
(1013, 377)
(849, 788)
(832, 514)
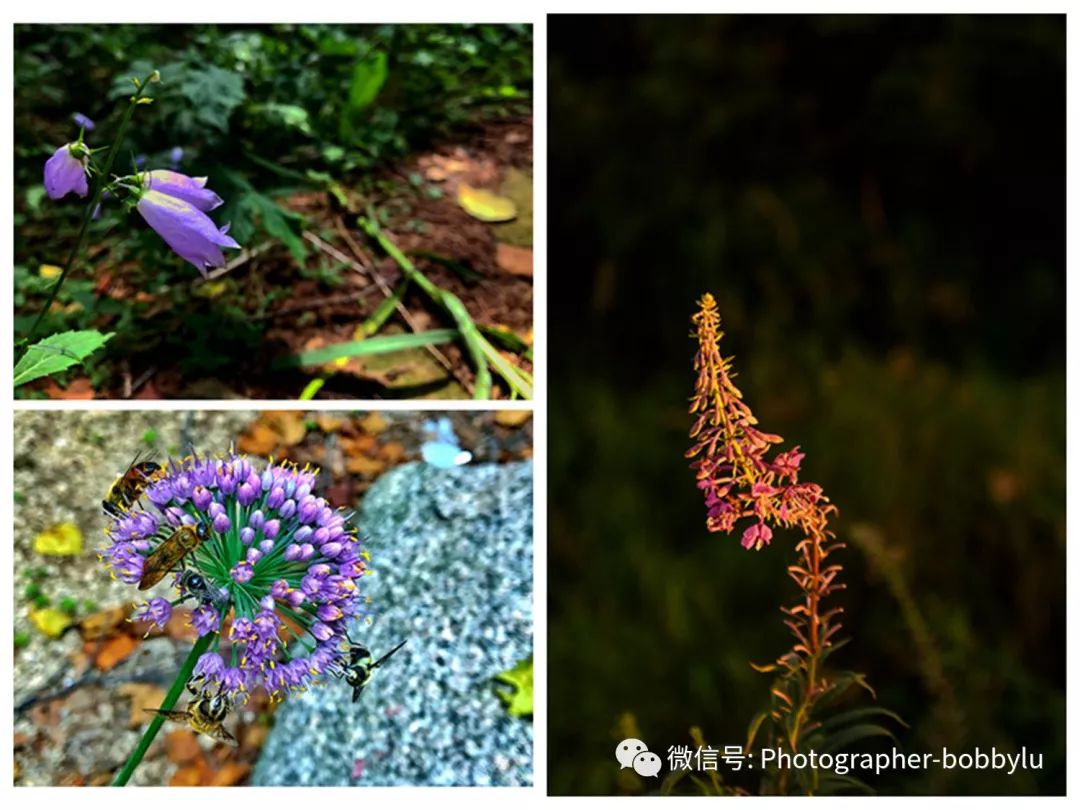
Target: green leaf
(369, 76)
(288, 115)
(519, 699)
(57, 352)
(375, 345)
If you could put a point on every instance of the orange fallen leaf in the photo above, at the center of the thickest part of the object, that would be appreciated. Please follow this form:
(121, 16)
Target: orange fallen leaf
(364, 466)
(80, 388)
(181, 746)
(374, 423)
(517, 261)
(392, 452)
(104, 623)
(512, 419)
(115, 650)
(192, 776)
(231, 773)
(329, 424)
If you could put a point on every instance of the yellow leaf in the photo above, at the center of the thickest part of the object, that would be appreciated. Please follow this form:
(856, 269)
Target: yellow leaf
(50, 621)
(49, 271)
(484, 205)
(212, 289)
(61, 540)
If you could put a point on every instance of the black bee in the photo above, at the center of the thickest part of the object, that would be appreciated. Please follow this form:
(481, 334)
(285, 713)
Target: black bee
(194, 585)
(360, 669)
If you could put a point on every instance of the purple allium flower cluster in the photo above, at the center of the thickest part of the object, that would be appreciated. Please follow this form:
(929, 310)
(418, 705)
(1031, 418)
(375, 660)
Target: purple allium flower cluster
(281, 564)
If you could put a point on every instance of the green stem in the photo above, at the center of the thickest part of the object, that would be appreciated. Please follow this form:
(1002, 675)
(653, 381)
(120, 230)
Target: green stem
(474, 341)
(182, 677)
(100, 182)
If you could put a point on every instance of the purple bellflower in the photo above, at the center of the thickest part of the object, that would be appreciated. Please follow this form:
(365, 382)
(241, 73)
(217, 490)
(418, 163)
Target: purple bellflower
(283, 563)
(82, 121)
(65, 172)
(189, 189)
(185, 228)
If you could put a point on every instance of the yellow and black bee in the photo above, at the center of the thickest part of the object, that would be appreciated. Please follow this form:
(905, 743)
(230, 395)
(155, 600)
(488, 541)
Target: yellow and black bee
(171, 552)
(361, 669)
(129, 487)
(204, 714)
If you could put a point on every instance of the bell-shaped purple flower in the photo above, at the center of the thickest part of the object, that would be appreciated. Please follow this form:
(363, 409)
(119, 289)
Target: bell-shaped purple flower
(189, 189)
(64, 173)
(83, 121)
(186, 229)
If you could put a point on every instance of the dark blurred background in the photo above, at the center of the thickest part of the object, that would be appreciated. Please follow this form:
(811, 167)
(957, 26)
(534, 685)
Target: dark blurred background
(878, 204)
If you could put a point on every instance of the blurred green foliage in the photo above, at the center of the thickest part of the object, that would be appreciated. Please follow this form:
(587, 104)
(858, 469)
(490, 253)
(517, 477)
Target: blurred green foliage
(263, 111)
(877, 204)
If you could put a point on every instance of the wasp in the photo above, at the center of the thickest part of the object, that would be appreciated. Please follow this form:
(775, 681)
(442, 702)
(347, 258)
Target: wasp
(204, 714)
(195, 585)
(171, 552)
(361, 669)
(129, 487)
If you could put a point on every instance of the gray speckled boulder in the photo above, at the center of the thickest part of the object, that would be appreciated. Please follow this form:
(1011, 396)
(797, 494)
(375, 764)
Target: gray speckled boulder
(452, 553)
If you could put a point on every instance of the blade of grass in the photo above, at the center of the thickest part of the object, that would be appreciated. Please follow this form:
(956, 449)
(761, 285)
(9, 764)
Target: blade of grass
(376, 345)
(475, 343)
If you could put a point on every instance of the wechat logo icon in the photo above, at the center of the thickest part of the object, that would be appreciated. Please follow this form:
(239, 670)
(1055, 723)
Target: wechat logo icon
(632, 753)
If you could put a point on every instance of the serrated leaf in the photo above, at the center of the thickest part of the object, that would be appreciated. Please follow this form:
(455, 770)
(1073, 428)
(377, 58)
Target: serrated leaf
(57, 352)
(485, 205)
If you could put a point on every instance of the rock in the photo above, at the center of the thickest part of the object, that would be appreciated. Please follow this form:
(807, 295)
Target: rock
(452, 554)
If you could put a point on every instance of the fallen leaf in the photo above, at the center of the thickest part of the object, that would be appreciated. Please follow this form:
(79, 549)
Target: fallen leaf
(517, 261)
(273, 431)
(290, 425)
(392, 452)
(104, 623)
(231, 773)
(512, 419)
(191, 776)
(143, 696)
(329, 424)
(181, 746)
(51, 622)
(80, 388)
(115, 650)
(61, 540)
(374, 423)
(364, 466)
(485, 205)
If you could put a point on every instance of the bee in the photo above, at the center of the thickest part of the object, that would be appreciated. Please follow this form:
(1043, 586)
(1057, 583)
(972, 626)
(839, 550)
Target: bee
(171, 552)
(360, 669)
(129, 487)
(204, 714)
(195, 585)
